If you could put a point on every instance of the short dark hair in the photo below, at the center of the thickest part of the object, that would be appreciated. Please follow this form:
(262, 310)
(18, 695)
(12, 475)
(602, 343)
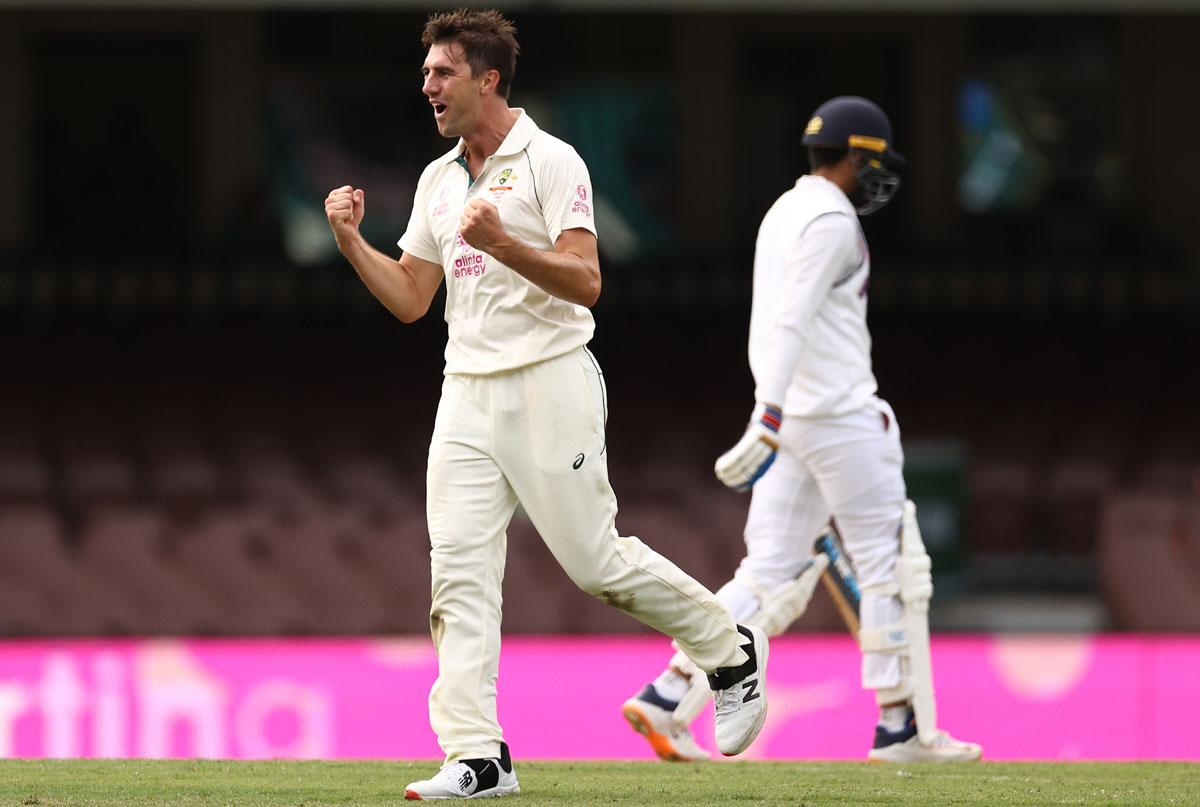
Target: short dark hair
(821, 156)
(488, 41)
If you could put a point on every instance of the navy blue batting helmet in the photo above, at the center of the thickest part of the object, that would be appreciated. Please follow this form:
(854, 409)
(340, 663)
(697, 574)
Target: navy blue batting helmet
(859, 125)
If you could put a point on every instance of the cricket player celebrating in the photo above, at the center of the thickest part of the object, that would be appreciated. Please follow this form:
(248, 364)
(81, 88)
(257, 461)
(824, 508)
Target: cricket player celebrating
(506, 218)
(820, 444)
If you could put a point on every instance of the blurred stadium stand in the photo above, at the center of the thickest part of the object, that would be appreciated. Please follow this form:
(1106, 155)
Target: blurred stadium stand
(1150, 560)
(214, 429)
(272, 481)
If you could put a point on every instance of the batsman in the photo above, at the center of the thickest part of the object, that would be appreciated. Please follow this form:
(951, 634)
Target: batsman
(821, 446)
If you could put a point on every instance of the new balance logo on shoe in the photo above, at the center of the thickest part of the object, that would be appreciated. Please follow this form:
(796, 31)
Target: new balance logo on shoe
(740, 695)
(468, 779)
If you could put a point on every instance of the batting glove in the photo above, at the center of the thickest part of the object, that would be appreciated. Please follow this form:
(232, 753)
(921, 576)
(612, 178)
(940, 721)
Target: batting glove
(744, 464)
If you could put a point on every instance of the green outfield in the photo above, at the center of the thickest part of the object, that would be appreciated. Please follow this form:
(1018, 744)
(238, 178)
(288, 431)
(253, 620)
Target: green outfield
(132, 783)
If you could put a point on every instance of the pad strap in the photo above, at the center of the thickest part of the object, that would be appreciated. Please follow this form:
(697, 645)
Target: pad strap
(891, 639)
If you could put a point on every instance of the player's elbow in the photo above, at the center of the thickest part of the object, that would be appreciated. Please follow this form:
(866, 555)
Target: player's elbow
(407, 313)
(591, 292)
(588, 292)
(406, 317)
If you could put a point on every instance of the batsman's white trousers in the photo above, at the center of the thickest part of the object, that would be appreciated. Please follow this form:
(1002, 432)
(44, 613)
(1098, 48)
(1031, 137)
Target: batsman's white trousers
(850, 467)
(536, 435)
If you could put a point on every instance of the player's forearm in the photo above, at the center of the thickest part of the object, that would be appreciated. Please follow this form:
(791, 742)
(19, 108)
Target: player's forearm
(565, 275)
(826, 251)
(785, 347)
(385, 277)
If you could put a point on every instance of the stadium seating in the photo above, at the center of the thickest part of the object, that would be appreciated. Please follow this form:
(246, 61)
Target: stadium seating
(246, 472)
(80, 601)
(1150, 561)
(128, 545)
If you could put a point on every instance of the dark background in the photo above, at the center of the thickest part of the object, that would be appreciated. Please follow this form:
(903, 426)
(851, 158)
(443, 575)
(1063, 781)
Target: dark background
(208, 425)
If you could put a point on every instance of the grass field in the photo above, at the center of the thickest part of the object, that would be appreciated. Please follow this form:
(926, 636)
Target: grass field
(138, 783)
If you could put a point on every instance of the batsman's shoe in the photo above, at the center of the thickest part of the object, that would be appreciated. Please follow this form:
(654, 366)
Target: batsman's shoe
(469, 779)
(906, 746)
(650, 715)
(740, 696)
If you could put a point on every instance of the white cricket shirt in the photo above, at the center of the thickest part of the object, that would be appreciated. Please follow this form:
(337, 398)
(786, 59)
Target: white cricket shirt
(497, 319)
(810, 350)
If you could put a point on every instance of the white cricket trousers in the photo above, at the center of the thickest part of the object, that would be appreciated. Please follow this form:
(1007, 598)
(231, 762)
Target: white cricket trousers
(850, 467)
(536, 435)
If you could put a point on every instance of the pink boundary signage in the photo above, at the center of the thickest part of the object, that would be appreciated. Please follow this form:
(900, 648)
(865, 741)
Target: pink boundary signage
(1022, 697)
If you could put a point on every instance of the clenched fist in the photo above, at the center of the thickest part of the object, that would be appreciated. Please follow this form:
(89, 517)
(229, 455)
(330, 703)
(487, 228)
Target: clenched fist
(344, 207)
(481, 227)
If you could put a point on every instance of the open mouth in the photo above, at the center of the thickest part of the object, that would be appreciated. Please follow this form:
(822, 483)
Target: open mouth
(439, 109)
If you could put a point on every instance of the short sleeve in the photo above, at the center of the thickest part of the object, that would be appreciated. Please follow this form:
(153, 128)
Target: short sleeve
(418, 238)
(567, 202)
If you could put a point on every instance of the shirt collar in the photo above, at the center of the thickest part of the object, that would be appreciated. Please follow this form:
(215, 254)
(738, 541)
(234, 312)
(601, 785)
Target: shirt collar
(518, 137)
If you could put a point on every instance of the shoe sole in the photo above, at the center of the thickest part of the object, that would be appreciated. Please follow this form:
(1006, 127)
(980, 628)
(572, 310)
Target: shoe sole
(412, 795)
(659, 742)
(762, 653)
(907, 756)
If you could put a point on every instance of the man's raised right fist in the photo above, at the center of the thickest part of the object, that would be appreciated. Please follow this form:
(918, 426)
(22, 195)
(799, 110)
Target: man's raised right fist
(344, 208)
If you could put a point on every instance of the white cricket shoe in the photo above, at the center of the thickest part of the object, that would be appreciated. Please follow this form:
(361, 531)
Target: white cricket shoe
(906, 746)
(469, 779)
(650, 715)
(740, 696)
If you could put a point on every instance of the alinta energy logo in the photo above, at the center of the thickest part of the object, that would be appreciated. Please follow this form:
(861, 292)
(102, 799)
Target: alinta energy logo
(581, 205)
(443, 203)
(470, 263)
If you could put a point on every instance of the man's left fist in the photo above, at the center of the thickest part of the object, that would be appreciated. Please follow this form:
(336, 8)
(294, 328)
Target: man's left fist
(481, 227)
